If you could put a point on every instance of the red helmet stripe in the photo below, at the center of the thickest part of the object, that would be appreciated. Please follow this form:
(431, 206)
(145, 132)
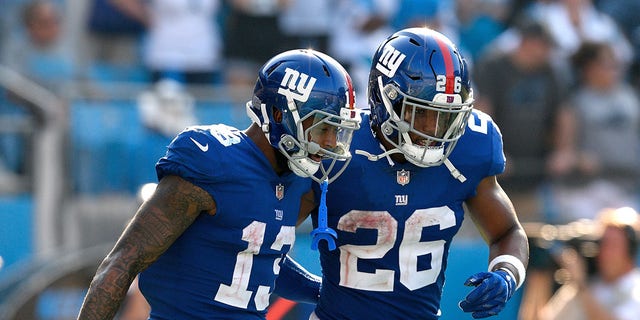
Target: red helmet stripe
(351, 95)
(448, 64)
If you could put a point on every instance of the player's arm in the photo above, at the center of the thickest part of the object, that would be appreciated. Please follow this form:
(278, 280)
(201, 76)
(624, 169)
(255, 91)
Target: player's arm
(496, 219)
(295, 283)
(307, 205)
(156, 225)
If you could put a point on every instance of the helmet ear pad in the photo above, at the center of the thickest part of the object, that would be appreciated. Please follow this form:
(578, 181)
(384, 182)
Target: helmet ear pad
(277, 115)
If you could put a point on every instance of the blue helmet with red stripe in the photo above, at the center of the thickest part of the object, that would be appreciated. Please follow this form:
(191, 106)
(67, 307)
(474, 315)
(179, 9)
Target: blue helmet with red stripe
(420, 95)
(305, 104)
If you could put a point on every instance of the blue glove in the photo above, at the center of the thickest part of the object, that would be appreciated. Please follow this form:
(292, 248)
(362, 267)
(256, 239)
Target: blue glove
(490, 295)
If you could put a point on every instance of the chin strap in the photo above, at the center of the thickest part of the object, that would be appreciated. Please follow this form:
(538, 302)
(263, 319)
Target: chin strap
(454, 172)
(373, 157)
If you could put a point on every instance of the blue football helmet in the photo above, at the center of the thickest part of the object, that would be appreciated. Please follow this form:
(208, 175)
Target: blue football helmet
(420, 95)
(306, 87)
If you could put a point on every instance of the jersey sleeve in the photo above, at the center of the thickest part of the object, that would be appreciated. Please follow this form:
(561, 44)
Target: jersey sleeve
(498, 159)
(485, 142)
(192, 156)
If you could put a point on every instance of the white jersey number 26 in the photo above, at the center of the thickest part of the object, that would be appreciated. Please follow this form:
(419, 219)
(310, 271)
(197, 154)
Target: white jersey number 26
(410, 248)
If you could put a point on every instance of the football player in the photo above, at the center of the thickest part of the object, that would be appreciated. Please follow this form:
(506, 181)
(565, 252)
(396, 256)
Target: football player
(211, 240)
(399, 203)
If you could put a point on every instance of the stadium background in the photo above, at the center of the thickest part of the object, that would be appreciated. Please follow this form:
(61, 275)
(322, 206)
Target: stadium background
(82, 160)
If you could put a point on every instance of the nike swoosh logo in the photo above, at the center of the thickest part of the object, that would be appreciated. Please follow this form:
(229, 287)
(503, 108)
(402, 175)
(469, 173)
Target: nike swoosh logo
(204, 148)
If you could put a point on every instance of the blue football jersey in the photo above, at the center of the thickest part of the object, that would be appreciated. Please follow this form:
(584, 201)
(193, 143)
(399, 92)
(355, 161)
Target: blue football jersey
(224, 266)
(395, 224)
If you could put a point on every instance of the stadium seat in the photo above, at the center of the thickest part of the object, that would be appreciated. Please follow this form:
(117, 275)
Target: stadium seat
(16, 214)
(112, 151)
(104, 135)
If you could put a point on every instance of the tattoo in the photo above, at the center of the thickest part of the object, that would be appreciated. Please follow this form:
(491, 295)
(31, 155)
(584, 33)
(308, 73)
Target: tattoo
(157, 224)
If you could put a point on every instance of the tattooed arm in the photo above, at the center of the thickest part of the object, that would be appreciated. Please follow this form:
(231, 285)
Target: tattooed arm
(157, 224)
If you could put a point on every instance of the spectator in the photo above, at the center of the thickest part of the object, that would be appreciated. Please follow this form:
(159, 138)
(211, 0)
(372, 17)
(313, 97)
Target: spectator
(107, 42)
(183, 38)
(38, 51)
(572, 22)
(305, 24)
(624, 13)
(359, 26)
(41, 53)
(599, 165)
(252, 35)
(613, 292)
(520, 89)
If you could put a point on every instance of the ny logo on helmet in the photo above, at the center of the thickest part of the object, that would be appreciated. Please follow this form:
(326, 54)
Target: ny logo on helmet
(389, 60)
(296, 85)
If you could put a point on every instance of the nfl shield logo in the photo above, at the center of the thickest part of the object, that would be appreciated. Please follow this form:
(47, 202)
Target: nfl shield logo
(280, 191)
(403, 177)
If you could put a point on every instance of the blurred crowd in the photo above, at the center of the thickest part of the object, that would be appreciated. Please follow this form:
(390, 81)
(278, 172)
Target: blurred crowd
(560, 77)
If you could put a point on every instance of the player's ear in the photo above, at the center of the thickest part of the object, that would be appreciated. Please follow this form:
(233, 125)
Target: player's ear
(277, 115)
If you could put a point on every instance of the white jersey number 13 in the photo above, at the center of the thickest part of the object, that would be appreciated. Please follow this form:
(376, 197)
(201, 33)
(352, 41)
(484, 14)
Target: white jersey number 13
(237, 294)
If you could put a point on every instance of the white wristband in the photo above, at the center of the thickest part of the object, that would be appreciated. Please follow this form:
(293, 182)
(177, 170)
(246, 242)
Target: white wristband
(522, 272)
